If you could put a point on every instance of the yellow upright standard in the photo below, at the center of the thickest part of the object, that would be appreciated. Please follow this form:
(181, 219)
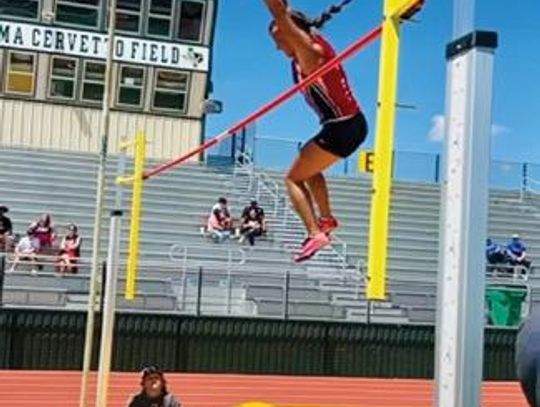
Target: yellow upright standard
(384, 145)
(136, 204)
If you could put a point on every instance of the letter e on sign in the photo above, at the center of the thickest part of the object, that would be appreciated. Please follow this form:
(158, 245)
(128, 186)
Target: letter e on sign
(366, 162)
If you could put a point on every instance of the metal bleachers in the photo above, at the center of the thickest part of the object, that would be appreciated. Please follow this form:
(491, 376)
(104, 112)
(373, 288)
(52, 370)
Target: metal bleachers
(181, 271)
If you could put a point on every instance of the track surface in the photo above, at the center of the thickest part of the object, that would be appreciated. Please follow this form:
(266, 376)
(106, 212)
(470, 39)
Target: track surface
(61, 389)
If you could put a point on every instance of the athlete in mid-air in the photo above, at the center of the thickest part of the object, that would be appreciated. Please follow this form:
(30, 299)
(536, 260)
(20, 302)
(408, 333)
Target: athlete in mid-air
(344, 126)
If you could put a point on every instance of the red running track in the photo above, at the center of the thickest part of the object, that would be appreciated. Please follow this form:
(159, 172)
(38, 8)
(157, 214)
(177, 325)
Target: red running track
(61, 389)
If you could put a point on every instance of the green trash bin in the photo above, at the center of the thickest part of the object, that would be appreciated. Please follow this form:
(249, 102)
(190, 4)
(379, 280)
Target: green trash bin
(505, 304)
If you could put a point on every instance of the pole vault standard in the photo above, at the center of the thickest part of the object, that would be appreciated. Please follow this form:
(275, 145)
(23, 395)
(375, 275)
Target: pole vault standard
(379, 218)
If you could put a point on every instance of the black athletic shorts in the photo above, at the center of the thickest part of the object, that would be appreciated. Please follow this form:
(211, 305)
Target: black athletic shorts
(342, 137)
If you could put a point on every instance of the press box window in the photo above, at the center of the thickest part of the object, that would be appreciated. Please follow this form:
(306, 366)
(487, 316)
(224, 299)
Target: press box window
(20, 8)
(78, 12)
(130, 88)
(93, 82)
(128, 15)
(21, 70)
(160, 17)
(62, 78)
(190, 23)
(170, 91)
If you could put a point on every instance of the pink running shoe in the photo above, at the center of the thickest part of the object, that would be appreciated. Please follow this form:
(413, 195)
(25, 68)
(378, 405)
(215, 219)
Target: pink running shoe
(312, 245)
(328, 225)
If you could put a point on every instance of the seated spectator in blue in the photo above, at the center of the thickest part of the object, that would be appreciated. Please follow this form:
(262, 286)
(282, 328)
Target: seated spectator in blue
(495, 252)
(6, 230)
(517, 252)
(27, 250)
(253, 223)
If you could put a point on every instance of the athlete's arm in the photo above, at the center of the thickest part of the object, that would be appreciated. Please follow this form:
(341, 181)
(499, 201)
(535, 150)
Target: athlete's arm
(308, 53)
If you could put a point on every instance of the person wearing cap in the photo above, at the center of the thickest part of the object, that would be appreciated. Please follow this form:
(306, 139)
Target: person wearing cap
(253, 222)
(70, 251)
(517, 252)
(154, 391)
(6, 230)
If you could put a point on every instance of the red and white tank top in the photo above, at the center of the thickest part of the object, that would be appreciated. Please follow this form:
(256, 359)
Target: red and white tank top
(330, 95)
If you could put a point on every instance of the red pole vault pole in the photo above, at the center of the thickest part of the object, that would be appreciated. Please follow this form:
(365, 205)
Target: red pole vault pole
(349, 51)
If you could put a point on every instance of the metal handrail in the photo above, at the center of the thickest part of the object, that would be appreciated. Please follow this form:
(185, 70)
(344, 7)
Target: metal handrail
(245, 161)
(532, 180)
(530, 185)
(184, 251)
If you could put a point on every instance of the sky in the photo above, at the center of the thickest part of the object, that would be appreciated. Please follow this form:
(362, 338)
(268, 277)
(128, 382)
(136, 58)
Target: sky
(248, 71)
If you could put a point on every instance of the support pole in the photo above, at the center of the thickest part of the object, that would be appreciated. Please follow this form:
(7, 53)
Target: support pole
(100, 197)
(384, 144)
(107, 329)
(463, 224)
(136, 205)
(120, 173)
(2, 276)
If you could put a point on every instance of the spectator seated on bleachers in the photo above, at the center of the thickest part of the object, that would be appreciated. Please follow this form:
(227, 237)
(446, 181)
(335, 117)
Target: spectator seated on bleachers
(253, 223)
(221, 209)
(495, 253)
(27, 250)
(43, 230)
(219, 222)
(6, 230)
(517, 252)
(70, 251)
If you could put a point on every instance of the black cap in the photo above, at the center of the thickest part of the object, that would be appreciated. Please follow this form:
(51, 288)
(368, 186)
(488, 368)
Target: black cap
(148, 370)
(4, 209)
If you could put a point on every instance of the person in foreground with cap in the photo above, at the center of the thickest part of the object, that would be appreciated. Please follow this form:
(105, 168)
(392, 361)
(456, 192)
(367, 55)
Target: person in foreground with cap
(154, 391)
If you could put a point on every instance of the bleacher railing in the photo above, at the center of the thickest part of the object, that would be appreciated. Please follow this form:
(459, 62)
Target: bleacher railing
(199, 286)
(262, 183)
(277, 153)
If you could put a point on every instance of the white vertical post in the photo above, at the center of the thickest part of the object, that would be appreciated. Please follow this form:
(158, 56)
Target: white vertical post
(120, 172)
(107, 329)
(463, 225)
(100, 198)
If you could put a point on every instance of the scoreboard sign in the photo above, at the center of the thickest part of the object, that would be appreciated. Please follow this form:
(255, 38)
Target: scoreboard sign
(88, 44)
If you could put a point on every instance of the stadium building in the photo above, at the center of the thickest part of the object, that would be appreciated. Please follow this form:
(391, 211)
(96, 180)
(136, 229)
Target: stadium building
(52, 72)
